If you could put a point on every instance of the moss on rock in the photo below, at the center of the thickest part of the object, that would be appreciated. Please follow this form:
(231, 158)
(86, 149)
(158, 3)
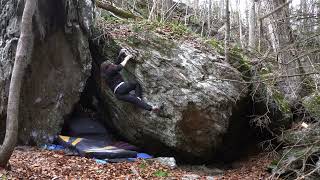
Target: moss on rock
(312, 104)
(237, 57)
(281, 101)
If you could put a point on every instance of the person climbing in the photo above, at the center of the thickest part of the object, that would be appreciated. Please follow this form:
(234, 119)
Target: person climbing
(111, 73)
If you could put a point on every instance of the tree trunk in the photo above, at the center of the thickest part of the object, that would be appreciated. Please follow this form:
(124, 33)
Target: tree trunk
(209, 17)
(252, 25)
(23, 54)
(304, 9)
(260, 26)
(247, 13)
(162, 11)
(221, 12)
(152, 12)
(241, 36)
(227, 33)
(281, 35)
(202, 29)
(186, 16)
(196, 9)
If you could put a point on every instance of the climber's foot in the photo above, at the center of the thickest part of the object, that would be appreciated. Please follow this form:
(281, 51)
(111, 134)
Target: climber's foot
(157, 109)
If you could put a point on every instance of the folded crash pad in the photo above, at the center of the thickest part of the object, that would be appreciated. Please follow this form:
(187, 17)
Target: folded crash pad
(101, 149)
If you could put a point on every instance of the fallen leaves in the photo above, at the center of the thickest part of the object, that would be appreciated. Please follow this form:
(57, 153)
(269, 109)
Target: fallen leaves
(33, 163)
(253, 168)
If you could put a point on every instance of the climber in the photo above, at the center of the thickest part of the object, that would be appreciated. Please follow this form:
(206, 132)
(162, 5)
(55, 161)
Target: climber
(111, 73)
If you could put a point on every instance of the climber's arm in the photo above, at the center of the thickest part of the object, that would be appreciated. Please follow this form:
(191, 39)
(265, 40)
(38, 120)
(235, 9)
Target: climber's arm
(120, 57)
(126, 59)
(115, 69)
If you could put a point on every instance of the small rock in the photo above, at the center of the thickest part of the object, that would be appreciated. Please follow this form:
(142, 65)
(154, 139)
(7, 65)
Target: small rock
(211, 178)
(190, 177)
(167, 161)
(215, 171)
(134, 171)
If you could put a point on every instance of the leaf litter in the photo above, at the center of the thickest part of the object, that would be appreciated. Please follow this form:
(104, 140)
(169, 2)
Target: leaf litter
(35, 163)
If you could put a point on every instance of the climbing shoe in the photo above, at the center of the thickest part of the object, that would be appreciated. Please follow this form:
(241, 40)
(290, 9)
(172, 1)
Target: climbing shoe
(158, 109)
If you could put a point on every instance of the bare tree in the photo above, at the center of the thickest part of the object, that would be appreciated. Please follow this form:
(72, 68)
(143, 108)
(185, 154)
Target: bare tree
(227, 32)
(209, 17)
(153, 10)
(23, 54)
(162, 11)
(241, 35)
(252, 25)
(186, 17)
(202, 22)
(196, 7)
(281, 35)
(222, 5)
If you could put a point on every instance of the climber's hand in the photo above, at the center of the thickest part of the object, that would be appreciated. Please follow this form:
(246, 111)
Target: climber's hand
(129, 56)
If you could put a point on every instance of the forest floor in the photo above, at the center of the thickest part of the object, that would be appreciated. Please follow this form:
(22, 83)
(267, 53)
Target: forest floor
(35, 163)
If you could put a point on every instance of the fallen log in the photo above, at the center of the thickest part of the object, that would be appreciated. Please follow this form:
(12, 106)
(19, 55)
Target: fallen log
(115, 10)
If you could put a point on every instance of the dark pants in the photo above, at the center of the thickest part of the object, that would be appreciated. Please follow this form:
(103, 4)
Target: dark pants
(123, 93)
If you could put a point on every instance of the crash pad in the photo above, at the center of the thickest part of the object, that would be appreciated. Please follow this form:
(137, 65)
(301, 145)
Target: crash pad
(88, 137)
(101, 149)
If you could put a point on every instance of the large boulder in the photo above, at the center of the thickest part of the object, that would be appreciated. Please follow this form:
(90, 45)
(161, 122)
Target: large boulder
(198, 89)
(59, 67)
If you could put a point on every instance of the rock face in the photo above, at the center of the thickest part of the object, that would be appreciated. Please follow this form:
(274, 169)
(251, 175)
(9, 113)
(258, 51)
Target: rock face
(59, 67)
(190, 83)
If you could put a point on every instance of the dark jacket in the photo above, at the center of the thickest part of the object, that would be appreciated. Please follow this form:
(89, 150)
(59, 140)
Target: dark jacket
(112, 75)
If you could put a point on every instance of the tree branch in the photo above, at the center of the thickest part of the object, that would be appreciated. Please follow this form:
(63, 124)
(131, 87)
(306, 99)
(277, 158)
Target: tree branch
(275, 10)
